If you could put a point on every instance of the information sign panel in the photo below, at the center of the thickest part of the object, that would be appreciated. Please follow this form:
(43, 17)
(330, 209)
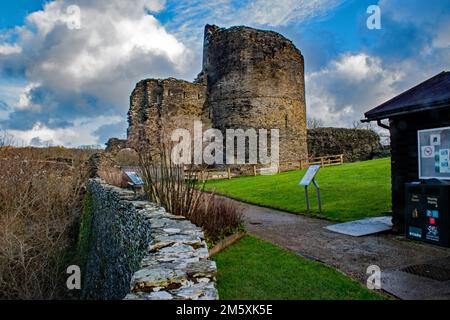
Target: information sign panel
(434, 153)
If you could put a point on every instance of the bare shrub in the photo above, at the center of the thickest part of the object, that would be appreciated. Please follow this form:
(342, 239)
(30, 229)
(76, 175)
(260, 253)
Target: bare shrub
(314, 123)
(218, 217)
(113, 176)
(127, 157)
(170, 186)
(175, 187)
(40, 204)
(6, 141)
(104, 166)
(77, 157)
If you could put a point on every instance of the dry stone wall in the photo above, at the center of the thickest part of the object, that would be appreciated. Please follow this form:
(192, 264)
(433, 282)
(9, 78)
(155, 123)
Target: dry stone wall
(138, 251)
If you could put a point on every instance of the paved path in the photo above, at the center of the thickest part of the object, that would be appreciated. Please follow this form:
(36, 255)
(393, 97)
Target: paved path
(307, 237)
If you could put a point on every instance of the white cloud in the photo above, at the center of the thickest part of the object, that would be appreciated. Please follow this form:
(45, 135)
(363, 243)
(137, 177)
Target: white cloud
(357, 67)
(283, 12)
(190, 16)
(155, 5)
(112, 35)
(25, 99)
(442, 36)
(347, 87)
(77, 73)
(7, 49)
(80, 133)
(10, 91)
(4, 110)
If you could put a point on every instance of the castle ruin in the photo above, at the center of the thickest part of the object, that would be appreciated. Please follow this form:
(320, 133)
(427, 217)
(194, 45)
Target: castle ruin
(250, 79)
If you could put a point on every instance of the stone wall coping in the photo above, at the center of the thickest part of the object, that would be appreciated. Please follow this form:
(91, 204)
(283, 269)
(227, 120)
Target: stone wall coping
(176, 265)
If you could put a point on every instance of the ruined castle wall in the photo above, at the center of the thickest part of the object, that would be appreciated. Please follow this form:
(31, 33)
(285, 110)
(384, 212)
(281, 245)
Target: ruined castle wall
(251, 79)
(256, 80)
(157, 107)
(354, 144)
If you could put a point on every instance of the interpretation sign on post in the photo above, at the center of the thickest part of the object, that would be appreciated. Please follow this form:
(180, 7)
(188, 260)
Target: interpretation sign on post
(306, 181)
(434, 153)
(134, 177)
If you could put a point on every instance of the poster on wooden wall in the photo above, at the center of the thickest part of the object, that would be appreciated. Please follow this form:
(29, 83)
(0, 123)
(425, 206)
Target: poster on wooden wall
(434, 153)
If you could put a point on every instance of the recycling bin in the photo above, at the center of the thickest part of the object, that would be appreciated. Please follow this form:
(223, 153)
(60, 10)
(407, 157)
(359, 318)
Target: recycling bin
(427, 215)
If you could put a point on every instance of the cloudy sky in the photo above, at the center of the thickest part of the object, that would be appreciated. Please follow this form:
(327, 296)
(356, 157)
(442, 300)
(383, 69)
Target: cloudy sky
(65, 85)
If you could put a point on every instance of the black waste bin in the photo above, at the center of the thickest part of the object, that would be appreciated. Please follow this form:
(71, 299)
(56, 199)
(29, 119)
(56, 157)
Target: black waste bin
(427, 213)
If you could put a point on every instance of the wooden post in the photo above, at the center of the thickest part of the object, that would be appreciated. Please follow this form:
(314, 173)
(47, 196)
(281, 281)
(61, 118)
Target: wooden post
(229, 173)
(342, 158)
(322, 161)
(254, 170)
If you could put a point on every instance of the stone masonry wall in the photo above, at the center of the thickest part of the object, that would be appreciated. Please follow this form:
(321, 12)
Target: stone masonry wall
(114, 145)
(119, 237)
(255, 79)
(354, 144)
(138, 251)
(159, 106)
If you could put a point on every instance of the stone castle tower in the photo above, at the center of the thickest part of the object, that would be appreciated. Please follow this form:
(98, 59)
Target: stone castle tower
(250, 79)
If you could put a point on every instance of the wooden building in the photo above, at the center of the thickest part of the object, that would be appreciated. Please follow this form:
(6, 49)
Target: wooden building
(424, 106)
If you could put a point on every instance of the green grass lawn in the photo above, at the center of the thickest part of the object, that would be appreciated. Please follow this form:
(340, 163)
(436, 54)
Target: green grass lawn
(350, 191)
(257, 270)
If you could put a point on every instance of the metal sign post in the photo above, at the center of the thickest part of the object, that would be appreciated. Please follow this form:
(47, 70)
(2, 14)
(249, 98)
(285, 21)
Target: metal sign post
(318, 194)
(307, 198)
(306, 181)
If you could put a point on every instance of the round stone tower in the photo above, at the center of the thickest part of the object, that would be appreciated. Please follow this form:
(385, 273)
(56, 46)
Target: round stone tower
(255, 79)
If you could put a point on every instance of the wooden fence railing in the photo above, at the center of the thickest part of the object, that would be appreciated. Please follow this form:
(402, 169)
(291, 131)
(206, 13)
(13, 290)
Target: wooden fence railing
(252, 170)
(327, 161)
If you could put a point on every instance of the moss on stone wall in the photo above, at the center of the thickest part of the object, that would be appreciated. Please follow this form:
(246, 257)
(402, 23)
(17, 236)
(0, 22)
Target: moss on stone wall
(114, 237)
(84, 241)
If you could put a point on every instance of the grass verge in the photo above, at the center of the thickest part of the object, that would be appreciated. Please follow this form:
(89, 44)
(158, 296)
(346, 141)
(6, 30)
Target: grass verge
(253, 269)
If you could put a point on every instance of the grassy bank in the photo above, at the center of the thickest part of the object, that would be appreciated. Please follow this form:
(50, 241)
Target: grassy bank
(255, 269)
(350, 191)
